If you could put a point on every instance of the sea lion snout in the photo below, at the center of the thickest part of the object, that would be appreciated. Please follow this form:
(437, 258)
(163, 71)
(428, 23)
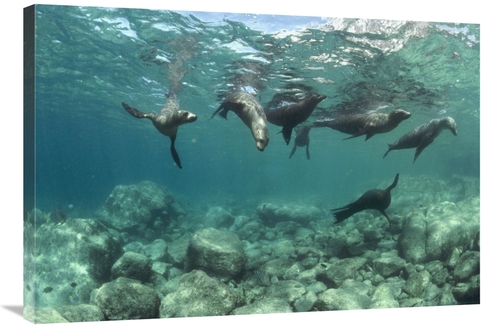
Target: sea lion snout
(261, 139)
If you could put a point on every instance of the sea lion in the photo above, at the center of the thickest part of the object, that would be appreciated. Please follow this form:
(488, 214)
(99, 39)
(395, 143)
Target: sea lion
(369, 124)
(423, 135)
(250, 112)
(167, 121)
(302, 139)
(374, 199)
(292, 115)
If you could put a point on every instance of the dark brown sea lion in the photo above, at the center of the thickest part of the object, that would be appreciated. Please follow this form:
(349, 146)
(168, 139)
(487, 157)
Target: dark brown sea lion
(423, 135)
(374, 199)
(369, 124)
(292, 115)
(167, 121)
(250, 112)
(302, 139)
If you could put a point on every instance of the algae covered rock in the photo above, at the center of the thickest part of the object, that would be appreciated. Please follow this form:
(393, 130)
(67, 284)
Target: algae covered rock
(218, 217)
(132, 265)
(265, 306)
(125, 299)
(412, 240)
(218, 253)
(81, 313)
(270, 214)
(72, 259)
(341, 270)
(136, 208)
(198, 295)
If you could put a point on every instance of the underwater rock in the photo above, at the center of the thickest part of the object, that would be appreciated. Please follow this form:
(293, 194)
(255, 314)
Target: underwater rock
(342, 299)
(135, 208)
(132, 265)
(198, 295)
(81, 313)
(265, 306)
(177, 250)
(288, 290)
(284, 249)
(417, 283)
(270, 214)
(125, 299)
(467, 266)
(42, 315)
(411, 242)
(385, 295)
(305, 302)
(446, 229)
(79, 251)
(277, 267)
(218, 217)
(156, 251)
(219, 253)
(388, 265)
(341, 270)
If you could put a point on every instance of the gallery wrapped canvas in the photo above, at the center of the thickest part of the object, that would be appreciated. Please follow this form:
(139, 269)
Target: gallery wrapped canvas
(195, 164)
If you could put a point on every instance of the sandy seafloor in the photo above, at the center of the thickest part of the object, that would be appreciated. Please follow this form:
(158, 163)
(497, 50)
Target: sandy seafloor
(459, 316)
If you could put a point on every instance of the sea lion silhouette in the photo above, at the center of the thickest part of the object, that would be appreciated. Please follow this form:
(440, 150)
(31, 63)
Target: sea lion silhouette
(302, 139)
(167, 121)
(292, 115)
(423, 135)
(374, 199)
(369, 124)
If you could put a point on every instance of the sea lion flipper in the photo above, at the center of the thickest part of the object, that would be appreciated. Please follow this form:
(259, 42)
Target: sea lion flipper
(173, 151)
(426, 141)
(135, 112)
(287, 133)
(307, 152)
(293, 151)
(385, 214)
(388, 150)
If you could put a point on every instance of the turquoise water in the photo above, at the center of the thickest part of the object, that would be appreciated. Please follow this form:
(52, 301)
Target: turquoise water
(89, 60)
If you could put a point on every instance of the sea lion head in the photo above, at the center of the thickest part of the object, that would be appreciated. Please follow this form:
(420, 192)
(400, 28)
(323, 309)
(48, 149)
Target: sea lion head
(261, 137)
(399, 115)
(183, 116)
(450, 124)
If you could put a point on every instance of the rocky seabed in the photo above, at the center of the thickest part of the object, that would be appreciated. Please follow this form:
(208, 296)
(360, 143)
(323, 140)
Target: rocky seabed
(144, 256)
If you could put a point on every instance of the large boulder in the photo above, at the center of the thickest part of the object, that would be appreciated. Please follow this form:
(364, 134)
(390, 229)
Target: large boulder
(142, 210)
(218, 217)
(132, 265)
(218, 253)
(411, 242)
(446, 229)
(341, 270)
(198, 295)
(72, 259)
(270, 214)
(265, 306)
(125, 299)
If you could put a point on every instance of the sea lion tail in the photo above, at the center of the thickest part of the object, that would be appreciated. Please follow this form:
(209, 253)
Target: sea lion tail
(293, 151)
(394, 183)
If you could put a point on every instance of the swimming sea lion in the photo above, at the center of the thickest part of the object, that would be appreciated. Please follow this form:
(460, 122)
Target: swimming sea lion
(374, 199)
(250, 112)
(423, 135)
(369, 124)
(167, 121)
(301, 139)
(292, 115)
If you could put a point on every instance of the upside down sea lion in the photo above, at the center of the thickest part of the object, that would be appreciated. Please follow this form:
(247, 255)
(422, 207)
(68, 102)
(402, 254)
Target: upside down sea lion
(369, 124)
(423, 135)
(292, 115)
(167, 121)
(374, 199)
(250, 112)
(302, 139)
